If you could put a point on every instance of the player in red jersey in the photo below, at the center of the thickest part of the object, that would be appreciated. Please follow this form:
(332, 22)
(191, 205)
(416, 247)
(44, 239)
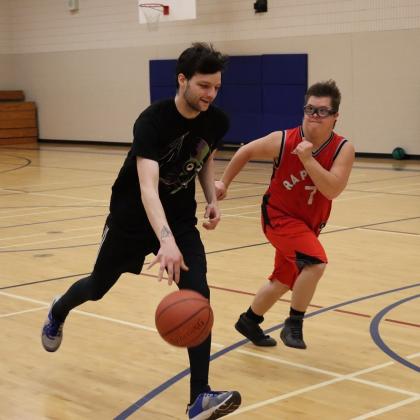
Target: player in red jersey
(312, 165)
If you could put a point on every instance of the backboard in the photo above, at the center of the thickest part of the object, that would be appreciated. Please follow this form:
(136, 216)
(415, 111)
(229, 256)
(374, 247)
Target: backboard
(178, 10)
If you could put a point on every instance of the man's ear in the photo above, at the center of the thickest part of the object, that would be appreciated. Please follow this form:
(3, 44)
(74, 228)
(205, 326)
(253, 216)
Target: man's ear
(181, 79)
(336, 118)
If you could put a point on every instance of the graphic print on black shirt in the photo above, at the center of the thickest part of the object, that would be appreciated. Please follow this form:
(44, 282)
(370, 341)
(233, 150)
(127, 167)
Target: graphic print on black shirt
(181, 147)
(182, 161)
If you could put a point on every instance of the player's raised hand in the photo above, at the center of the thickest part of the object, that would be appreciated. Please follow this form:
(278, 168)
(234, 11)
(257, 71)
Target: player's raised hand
(221, 190)
(304, 150)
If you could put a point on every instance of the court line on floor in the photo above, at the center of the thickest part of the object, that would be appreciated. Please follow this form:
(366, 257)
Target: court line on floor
(55, 221)
(340, 375)
(66, 197)
(361, 227)
(7, 247)
(64, 148)
(22, 312)
(153, 276)
(16, 168)
(377, 339)
(45, 184)
(89, 314)
(9, 216)
(386, 408)
(162, 387)
(45, 233)
(337, 378)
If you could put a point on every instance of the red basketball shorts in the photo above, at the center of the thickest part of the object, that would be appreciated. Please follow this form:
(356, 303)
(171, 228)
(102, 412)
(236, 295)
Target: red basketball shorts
(296, 246)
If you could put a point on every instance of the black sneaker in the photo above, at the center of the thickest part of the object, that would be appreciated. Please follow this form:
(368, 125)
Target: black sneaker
(253, 332)
(292, 334)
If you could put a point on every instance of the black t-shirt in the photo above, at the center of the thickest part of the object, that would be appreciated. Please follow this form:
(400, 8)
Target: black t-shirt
(181, 146)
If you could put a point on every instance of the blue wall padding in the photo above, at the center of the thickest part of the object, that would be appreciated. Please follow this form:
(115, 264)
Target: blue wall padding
(260, 93)
(285, 69)
(244, 70)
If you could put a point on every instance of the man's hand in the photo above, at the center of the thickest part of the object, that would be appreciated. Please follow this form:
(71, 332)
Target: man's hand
(221, 190)
(213, 215)
(304, 150)
(170, 259)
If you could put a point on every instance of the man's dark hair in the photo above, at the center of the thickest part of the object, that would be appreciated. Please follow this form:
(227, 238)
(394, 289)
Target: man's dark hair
(200, 58)
(325, 89)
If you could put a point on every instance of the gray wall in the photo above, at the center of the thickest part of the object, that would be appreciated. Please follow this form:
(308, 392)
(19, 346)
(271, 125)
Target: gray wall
(6, 72)
(90, 89)
(6, 61)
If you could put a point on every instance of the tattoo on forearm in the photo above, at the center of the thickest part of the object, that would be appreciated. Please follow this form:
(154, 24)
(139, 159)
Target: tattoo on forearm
(165, 232)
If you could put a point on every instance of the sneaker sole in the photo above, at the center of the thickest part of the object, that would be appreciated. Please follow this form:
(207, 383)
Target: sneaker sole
(48, 344)
(238, 328)
(289, 345)
(228, 406)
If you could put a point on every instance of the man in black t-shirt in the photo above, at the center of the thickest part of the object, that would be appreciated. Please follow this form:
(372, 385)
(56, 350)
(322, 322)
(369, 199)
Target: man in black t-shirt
(153, 210)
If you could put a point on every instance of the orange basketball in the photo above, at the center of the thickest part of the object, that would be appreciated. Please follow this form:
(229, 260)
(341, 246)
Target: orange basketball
(184, 318)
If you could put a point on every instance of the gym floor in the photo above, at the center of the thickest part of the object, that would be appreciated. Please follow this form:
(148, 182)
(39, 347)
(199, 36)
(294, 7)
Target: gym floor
(362, 330)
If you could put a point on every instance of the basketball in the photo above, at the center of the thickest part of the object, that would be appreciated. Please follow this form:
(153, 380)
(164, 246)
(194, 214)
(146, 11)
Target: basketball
(184, 318)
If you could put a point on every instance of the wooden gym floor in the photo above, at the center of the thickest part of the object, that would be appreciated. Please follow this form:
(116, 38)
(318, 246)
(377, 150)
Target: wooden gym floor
(362, 330)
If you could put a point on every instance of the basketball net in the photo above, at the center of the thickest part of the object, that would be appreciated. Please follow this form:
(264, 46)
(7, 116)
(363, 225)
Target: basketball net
(152, 13)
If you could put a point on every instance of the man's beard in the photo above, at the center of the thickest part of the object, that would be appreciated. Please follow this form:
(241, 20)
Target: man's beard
(194, 105)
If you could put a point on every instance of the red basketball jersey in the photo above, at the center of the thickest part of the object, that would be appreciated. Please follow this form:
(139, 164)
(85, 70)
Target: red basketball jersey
(291, 191)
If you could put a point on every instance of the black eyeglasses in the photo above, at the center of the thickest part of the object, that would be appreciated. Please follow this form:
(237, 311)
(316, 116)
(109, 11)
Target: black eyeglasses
(321, 111)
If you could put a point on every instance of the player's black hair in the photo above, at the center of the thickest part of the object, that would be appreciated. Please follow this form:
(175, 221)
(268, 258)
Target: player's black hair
(200, 58)
(325, 89)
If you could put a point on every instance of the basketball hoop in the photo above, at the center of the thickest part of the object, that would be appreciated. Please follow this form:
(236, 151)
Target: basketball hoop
(152, 13)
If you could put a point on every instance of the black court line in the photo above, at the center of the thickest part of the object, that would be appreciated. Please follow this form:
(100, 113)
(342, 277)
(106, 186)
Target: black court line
(53, 221)
(371, 181)
(24, 165)
(165, 385)
(406, 219)
(240, 197)
(78, 169)
(346, 190)
(70, 188)
(386, 169)
(43, 281)
(54, 189)
(239, 247)
(54, 206)
(383, 192)
(64, 149)
(225, 289)
(49, 249)
(374, 332)
(394, 231)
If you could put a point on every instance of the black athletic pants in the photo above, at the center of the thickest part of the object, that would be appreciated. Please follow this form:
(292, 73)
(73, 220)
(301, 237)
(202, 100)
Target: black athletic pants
(120, 253)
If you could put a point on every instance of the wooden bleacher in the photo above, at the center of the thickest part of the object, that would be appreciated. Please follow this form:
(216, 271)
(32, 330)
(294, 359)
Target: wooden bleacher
(18, 118)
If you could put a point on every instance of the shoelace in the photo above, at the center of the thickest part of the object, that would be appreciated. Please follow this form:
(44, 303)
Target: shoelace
(260, 332)
(296, 332)
(53, 328)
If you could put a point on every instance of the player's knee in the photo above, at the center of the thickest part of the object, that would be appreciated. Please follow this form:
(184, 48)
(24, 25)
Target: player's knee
(318, 269)
(97, 294)
(98, 285)
(277, 287)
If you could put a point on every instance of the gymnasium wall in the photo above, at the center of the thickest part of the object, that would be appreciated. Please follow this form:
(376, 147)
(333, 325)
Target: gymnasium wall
(6, 77)
(88, 71)
(4, 27)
